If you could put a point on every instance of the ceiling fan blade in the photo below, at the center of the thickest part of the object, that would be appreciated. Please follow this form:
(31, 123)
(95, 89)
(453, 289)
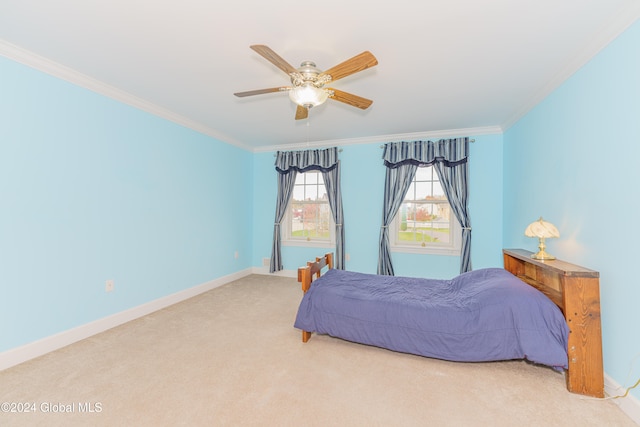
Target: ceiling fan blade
(274, 58)
(261, 91)
(302, 112)
(348, 98)
(350, 66)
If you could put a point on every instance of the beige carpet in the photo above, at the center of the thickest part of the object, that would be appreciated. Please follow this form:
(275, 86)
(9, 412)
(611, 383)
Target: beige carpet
(231, 357)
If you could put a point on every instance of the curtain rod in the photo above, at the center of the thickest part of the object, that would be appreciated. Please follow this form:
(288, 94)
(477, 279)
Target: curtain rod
(471, 140)
(275, 155)
(382, 146)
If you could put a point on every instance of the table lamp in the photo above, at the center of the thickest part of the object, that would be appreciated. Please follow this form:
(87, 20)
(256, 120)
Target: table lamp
(542, 230)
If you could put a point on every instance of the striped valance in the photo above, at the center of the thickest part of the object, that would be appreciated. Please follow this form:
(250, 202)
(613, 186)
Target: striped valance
(323, 160)
(448, 151)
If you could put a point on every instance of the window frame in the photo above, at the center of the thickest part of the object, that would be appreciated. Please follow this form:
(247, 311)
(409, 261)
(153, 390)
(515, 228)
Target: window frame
(453, 248)
(287, 222)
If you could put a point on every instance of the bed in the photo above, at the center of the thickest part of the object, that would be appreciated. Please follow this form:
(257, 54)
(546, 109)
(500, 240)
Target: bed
(484, 315)
(544, 312)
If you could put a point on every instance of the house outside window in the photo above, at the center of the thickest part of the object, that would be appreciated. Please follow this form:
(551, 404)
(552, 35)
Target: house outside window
(308, 221)
(425, 222)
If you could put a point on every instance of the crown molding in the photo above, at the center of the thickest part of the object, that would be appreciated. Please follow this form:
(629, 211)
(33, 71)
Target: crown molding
(609, 32)
(60, 71)
(57, 70)
(382, 139)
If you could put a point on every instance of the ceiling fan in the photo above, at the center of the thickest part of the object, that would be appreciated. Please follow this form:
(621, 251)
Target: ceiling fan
(307, 82)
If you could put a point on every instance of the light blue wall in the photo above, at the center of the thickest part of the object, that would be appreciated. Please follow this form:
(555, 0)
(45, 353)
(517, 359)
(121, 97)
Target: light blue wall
(574, 160)
(90, 190)
(362, 190)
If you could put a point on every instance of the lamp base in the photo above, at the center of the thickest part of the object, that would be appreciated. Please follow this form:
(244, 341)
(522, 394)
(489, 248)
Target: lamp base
(543, 256)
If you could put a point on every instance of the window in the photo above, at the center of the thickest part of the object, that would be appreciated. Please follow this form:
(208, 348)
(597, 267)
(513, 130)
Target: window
(308, 221)
(425, 223)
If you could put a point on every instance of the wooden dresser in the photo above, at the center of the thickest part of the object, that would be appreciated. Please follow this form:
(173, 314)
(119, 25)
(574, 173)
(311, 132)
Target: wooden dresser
(576, 290)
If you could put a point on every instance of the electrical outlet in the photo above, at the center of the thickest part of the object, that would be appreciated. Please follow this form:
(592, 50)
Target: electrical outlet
(266, 262)
(236, 254)
(108, 285)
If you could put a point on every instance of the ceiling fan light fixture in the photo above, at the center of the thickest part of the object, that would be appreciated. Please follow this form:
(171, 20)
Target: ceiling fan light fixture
(307, 95)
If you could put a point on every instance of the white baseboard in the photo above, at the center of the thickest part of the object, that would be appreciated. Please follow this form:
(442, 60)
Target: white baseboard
(38, 348)
(630, 405)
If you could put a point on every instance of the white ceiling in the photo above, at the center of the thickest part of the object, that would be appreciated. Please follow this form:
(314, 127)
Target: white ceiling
(445, 66)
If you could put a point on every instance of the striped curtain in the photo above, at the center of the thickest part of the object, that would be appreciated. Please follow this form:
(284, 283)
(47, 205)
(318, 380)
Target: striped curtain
(396, 183)
(449, 158)
(288, 163)
(286, 182)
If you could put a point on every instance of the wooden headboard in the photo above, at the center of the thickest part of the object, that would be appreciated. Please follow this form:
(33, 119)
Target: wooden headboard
(576, 290)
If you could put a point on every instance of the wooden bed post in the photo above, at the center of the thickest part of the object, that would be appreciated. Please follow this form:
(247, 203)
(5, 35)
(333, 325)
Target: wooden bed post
(329, 259)
(305, 277)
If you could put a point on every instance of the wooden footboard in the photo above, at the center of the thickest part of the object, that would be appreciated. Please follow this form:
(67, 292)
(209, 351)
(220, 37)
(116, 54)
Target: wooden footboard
(312, 271)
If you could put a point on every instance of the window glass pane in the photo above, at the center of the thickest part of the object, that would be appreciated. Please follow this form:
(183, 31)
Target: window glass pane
(296, 211)
(312, 177)
(322, 194)
(298, 193)
(426, 223)
(411, 192)
(325, 221)
(311, 221)
(424, 213)
(311, 192)
(442, 211)
(299, 221)
(438, 192)
(423, 190)
(441, 232)
(423, 173)
(310, 218)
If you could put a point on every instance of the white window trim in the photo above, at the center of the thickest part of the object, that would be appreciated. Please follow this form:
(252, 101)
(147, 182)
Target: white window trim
(285, 229)
(454, 247)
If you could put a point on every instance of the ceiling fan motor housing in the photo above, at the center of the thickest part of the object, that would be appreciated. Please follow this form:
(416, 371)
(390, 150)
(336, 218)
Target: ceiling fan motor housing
(308, 74)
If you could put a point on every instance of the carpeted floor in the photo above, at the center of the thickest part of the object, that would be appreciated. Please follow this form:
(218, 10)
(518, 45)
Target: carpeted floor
(231, 357)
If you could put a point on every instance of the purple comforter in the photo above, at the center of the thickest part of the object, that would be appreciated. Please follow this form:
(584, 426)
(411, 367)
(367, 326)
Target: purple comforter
(484, 315)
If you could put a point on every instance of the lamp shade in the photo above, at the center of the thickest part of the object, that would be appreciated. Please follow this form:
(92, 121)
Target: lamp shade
(541, 228)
